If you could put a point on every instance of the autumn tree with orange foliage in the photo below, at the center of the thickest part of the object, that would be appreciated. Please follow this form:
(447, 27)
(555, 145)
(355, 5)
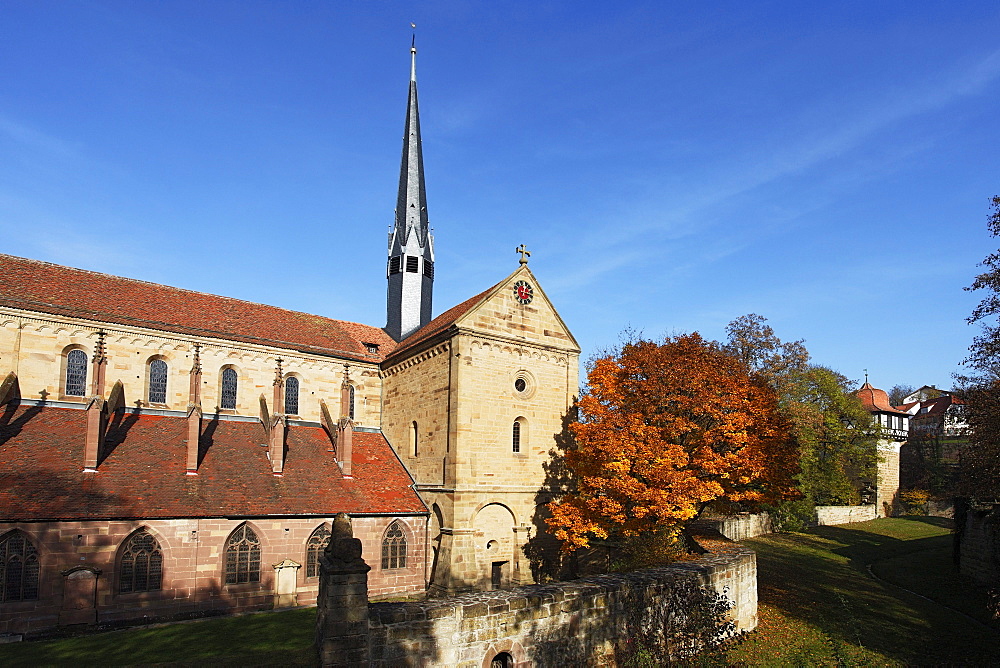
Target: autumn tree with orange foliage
(665, 429)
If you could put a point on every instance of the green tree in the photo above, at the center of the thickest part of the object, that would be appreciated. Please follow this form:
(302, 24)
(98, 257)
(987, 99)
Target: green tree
(833, 434)
(898, 394)
(984, 353)
(980, 468)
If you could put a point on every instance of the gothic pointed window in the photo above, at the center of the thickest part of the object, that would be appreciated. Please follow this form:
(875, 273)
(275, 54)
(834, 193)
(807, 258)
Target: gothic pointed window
(141, 566)
(314, 548)
(394, 547)
(229, 380)
(18, 568)
(76, 373)
(157, 382)
(242, 556)
(292, 395)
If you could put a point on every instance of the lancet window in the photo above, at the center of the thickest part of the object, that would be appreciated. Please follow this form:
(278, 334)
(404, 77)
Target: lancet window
(18, 568)
(141, 566)
(394, 547)
(242, 556)
(314, 548)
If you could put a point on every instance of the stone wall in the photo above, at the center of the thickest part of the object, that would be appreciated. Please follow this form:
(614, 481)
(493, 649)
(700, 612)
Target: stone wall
(887, 489)
(582, 622)
(742, 526)
(980, 546)
(80, 564)
(831, 515)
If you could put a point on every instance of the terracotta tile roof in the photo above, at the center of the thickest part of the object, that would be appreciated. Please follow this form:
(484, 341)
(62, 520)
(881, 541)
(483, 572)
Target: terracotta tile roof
(875, 399)
(143, 477)
(440, 323)
(58, 290)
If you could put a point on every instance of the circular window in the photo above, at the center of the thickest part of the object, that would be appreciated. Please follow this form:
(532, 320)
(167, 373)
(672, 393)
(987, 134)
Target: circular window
(524, 384)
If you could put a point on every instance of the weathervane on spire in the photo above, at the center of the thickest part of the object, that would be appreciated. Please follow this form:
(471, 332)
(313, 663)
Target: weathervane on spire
(525, 254)
(866, 375)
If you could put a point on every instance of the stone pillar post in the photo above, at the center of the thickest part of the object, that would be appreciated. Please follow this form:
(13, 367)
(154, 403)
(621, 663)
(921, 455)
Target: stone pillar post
(342, 619)
(520, 574)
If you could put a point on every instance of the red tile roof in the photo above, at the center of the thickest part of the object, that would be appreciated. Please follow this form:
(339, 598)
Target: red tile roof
(875, 399)
(58, 290)
(143, 476)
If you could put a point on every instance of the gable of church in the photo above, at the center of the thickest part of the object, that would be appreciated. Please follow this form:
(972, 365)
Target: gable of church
(518, 309)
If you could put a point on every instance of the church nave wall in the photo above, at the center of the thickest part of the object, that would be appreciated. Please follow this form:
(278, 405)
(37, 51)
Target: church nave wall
(37, 348)
(83, 567)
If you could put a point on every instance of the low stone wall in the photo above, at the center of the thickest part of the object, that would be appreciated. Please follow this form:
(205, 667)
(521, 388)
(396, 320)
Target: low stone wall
(742, 526)
(980, 546)
(581, 622)
(831, 515)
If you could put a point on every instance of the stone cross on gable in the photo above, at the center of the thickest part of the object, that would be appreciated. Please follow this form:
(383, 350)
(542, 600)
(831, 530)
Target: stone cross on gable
(525, 254)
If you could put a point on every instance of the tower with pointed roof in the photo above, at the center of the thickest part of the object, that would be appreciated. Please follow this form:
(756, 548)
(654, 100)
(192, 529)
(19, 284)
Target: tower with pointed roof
(410, 269)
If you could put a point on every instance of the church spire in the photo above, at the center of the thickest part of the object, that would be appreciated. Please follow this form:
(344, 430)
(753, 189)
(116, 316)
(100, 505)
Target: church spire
(411, 248)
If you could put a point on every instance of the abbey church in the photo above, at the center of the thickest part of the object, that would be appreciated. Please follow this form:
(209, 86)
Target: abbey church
(167, 453)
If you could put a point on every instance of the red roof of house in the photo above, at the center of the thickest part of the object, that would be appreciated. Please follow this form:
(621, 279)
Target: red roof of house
(144, 474)
(875, 399)
(52, 288)
(938, 405)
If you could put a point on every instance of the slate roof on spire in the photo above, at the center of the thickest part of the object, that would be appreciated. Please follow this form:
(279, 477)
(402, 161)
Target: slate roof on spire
(411, 201)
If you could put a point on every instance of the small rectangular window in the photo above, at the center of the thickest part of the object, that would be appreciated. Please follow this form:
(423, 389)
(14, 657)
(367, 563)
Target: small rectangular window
(393, 265)
(372, 348)
(428, 269)
(412, 264)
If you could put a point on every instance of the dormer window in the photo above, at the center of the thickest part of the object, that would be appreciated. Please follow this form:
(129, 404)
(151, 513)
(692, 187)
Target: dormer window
(372, 348)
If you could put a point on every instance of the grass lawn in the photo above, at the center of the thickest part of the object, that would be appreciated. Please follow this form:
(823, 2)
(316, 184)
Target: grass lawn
(266, 639)
(818, 607)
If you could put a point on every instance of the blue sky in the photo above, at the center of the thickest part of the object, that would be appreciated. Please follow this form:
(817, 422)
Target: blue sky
(670, 165)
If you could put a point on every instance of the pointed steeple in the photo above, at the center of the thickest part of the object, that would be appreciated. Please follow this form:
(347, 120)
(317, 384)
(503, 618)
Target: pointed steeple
(411, 248)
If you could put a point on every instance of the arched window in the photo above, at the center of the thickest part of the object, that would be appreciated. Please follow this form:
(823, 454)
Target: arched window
(292, 395)
(394, 547)
(350, 402)
(415, 439)
(76, 373)
(229, 379)
(141, 567)
(314, 548)
(517, 434)
(242, 556)
(157, 382)
(18, 568)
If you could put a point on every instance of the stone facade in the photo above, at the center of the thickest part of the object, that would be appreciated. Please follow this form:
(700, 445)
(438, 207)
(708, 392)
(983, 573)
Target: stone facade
(585, 622)
(34, 346)
(451, 403)
(193, 579)
(887, 487)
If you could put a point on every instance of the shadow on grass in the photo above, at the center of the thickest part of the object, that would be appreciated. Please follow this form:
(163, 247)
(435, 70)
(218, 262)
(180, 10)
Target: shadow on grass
(262, 639)
(820, 578)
